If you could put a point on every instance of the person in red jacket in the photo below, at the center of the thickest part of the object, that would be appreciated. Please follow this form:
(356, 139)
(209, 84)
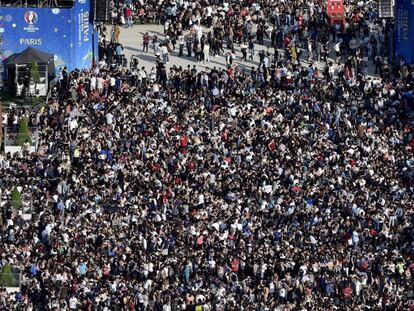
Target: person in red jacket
(128, 17)
(146, 42)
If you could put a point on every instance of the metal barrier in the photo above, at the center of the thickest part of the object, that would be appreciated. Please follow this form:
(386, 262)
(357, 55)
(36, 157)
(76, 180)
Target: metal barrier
(20, 106)
(11, 138)
(26, 210)
(27, 207)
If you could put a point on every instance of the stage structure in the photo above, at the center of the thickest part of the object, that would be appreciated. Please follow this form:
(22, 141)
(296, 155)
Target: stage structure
(20, 80)
(66, 32)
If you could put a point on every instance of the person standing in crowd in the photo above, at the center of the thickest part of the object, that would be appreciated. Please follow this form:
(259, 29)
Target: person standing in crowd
(181, 42)
(118, 53)
(309, 47)
(146, 40)
(165, 53)
(206, 52)
(128, 17)
(155, 43)
(116, 31)
(189, 43)
(251, 49)
(243, 48)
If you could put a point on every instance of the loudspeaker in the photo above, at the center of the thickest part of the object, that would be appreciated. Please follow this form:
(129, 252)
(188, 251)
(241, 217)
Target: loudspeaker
(386, 8)
(101, 10)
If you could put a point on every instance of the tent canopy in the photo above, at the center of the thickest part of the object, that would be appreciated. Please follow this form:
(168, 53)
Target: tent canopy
(33, 55)
(30, 55)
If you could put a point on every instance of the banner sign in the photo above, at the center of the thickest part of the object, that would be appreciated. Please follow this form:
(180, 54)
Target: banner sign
(66, 33)
(82, 34)
(335, 9)
(404, 30)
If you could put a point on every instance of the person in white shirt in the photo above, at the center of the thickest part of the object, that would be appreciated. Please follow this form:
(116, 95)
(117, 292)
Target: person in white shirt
(143, 75)
(337, 48)
(93, 83)
(165, 54)
(102, 63)
(310, 49)
(206, 52)
(73, 124)
(199, 32)
(112, 83)
(73, 303)
(100, 84)
(181, 42)
(15, 122)
(156, 89)
(166, 25)
(109, 118)
(208, 14)
(153, 75)
(5, 118)
(266, 61)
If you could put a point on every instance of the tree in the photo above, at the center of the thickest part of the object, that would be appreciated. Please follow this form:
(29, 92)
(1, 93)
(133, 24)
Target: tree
(24, 133)
(6, 277)
(16, 199)
(34, 73)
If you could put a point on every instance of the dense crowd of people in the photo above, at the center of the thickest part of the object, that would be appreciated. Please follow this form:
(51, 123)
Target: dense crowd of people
(274, 187)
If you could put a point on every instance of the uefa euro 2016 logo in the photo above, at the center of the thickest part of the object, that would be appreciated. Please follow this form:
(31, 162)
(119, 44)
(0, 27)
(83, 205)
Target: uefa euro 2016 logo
(30, 17)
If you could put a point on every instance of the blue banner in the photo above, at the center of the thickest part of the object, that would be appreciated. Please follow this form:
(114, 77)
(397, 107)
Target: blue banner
(82, 37)
(66, 33)
(404, 30)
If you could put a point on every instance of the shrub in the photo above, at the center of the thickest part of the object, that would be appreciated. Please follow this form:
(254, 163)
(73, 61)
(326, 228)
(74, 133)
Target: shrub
(7, 278)
(24, 133)
(16, 199)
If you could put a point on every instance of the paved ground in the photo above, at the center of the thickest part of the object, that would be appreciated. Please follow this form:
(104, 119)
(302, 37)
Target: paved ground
(132, 38)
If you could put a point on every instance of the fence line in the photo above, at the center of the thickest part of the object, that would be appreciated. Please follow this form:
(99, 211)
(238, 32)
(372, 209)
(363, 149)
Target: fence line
(11, 136)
